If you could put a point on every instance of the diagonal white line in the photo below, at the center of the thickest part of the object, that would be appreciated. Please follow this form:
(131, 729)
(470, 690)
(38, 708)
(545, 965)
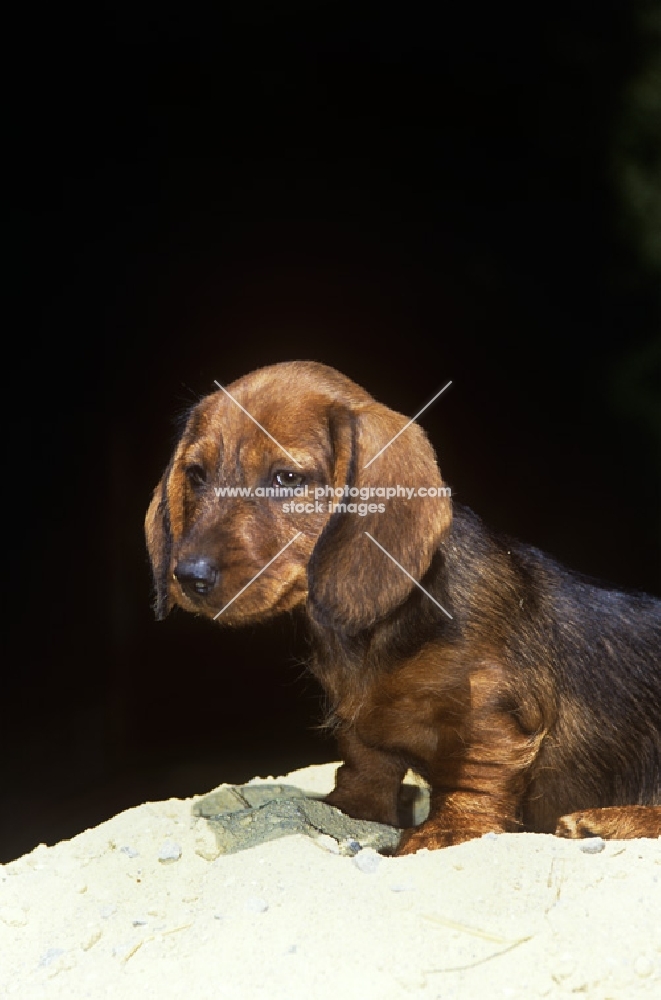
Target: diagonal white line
(411, 421)
(259, 425)
(409, 575)
(258, 574)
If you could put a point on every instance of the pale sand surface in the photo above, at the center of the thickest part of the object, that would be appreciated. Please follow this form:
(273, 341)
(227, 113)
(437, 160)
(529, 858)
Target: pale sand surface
(518, 915)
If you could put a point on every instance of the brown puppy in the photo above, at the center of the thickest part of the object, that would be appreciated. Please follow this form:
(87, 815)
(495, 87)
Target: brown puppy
(519, 690)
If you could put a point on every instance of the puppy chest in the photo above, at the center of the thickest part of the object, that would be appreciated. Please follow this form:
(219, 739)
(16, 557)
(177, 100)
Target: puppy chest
(412, 724)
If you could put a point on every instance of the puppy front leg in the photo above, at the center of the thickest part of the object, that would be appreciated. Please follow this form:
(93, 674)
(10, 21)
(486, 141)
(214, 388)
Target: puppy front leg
(473, 794)
(367, 783)
(459, 816)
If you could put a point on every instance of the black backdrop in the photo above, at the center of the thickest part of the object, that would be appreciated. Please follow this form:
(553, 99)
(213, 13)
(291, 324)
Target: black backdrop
(409, 196)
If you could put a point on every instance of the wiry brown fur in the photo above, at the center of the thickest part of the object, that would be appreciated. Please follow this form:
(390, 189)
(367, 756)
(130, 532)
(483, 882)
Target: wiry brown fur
(540, 697)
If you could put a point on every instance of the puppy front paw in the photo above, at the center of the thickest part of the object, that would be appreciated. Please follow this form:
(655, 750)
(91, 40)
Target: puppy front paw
(360, 807)
(419, 839)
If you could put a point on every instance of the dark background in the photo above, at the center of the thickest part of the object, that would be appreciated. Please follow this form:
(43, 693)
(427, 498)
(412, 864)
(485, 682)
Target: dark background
(411, 195)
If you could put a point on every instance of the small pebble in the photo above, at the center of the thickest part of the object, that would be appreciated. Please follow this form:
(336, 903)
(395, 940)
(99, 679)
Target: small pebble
(50, 956)
(367, 861)
(206, 845)
(328, 843)
(129, 851)
(350, 845)
(255, 904)
(592, 845)
(170, 851)
(407, 886)
(643, 967)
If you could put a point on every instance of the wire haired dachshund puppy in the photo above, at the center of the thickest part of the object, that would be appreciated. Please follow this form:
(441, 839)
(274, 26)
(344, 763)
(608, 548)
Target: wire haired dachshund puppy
(527, 696)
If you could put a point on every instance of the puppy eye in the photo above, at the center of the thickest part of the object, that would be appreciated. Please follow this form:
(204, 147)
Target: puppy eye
(196, 476)
(284, 478)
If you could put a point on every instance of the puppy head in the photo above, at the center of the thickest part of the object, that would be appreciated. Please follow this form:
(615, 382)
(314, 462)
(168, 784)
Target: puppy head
(252, 556)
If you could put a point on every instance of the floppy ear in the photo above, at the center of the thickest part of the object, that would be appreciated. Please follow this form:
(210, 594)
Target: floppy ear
(352, 583)
(159, 545)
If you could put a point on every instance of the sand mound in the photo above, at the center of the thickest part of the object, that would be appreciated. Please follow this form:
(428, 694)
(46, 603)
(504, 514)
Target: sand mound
(141, 906)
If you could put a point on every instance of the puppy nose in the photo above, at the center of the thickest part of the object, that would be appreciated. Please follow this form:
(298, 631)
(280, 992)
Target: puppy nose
(197, 576)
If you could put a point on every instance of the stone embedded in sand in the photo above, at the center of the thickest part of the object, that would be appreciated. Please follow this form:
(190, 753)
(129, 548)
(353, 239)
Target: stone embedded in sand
(170, 851)
(592, 845)
(246, 815)
(367, 861)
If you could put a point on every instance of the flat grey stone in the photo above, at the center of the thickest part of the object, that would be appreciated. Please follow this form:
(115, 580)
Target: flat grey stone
(242, 816)
(234, 798)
